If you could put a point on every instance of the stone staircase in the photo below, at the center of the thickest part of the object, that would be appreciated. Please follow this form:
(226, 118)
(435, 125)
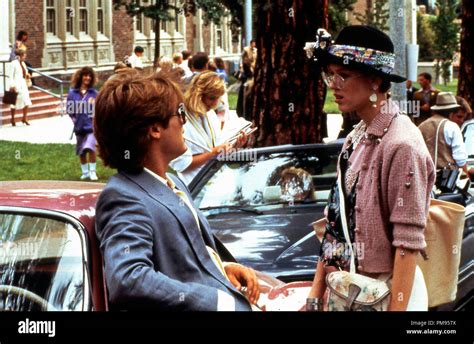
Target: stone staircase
(44, 105)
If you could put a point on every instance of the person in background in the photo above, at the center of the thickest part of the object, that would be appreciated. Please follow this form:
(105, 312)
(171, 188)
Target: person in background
(221, 69)
(19, 82)
(135, 60)
(426, 96)
(410, 96)
(177, 60)
(21, 39)
(200, 62)
(165, 64)
(451, 150)
(212, 66)
(80, 107)
(463, 114)
(202, 125)
(185, 65)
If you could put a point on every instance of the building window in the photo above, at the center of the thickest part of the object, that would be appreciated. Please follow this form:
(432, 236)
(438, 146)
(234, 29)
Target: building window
(69, 17)
(83, 17)
(50, 17)
(100, 17)
(139, 23)
(219, 37)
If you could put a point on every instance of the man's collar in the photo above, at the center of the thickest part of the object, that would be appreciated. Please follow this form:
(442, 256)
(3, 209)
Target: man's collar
(166, 181)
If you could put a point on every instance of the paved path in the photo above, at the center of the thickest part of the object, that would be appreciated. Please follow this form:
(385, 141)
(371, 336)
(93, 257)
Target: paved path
(58, 130)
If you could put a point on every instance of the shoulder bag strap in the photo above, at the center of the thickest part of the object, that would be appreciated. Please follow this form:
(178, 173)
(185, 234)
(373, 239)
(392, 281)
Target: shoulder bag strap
(342, 214)
(436, 144)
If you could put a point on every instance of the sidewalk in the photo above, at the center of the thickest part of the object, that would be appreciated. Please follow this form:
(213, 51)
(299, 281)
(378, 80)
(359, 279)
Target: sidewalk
(48, 130)
(58, 130)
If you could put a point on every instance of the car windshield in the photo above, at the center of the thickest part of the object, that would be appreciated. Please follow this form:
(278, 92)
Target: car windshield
(42, 265)
(270, 179)
(468, 133)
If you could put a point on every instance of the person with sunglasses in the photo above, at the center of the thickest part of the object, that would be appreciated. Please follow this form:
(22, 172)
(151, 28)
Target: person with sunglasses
(158, 249)
(386, 172)
(202, 128)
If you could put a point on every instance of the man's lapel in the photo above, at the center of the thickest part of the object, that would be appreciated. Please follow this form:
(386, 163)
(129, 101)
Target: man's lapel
(165, 196)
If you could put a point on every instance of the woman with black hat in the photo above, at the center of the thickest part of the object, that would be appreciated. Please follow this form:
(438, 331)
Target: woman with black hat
(385, 172)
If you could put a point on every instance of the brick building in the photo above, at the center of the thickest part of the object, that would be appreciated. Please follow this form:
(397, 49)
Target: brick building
(67, 34)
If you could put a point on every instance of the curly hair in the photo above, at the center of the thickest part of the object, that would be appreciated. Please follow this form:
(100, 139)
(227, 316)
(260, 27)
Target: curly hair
(126, 107)
(76, 80)
(207, 83)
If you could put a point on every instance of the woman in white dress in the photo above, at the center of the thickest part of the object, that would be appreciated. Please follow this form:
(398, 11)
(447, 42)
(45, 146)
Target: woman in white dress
(202, 126)
(19, 82)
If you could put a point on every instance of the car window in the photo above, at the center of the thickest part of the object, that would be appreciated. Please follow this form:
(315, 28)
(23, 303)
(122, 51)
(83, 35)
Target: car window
(42, 265)
(468, 134)
(270, 179)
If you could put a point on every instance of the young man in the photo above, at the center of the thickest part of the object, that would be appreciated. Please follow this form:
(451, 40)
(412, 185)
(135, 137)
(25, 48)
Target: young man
(135, 60)
(426, 96)
(158, 249)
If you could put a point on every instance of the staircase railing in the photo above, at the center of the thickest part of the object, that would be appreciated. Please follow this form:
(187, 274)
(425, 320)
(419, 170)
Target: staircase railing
(52, 78)
(60, 82)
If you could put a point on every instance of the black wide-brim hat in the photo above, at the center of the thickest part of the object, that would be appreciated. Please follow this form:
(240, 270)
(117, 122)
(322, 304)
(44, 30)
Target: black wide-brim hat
(361, 47)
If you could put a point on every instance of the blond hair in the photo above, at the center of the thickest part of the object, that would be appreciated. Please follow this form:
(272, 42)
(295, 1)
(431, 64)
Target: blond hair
(165, 64)
(205, 84)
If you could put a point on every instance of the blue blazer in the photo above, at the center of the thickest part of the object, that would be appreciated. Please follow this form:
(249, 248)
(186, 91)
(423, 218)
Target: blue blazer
(154, 253)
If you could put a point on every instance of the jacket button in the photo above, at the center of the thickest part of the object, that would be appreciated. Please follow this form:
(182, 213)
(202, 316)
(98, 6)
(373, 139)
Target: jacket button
(364, 166)
(357, 230)
(357, 208)
(359, 186)
(360, 267)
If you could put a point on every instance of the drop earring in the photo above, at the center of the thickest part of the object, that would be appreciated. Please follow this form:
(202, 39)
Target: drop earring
(373, 98)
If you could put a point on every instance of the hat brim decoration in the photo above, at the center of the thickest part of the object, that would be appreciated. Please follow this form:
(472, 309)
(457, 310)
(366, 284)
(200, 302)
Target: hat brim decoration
(373, 61)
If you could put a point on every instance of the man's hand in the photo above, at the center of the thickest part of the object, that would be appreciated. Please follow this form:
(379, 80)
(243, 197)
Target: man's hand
(239, 276)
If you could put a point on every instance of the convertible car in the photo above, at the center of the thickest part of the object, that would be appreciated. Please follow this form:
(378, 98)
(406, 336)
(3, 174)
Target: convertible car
(261, 205)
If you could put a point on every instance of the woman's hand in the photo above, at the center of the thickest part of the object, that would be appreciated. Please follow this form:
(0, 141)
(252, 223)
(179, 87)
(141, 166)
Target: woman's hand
(223, 148)
(13, 89)
(241, 140)
(239, 276)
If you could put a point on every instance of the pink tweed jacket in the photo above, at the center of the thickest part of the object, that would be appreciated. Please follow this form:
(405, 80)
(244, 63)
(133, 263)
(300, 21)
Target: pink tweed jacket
(393, 190)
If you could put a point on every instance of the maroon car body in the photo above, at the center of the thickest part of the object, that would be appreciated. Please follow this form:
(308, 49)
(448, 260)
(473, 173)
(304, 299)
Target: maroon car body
(72, 204)
(68, 201)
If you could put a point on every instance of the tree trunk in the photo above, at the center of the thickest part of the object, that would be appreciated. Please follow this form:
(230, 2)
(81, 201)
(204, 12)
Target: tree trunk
(288, 91)
(466, 71)
(157, 43)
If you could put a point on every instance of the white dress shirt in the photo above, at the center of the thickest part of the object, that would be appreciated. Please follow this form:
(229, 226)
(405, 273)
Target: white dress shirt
(454, 139)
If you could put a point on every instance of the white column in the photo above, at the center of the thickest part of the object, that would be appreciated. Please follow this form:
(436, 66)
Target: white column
(198, 40)
(248, 21)
(397, 34)
(4, 40)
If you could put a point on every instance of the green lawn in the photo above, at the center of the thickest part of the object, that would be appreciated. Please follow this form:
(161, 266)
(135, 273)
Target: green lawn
(233, 100)
(26, 161)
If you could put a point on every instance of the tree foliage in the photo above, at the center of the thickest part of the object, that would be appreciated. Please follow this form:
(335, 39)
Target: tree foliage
(425, 37)
(166, 10)
(446, 31)
(337, 14)
(376, 14)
